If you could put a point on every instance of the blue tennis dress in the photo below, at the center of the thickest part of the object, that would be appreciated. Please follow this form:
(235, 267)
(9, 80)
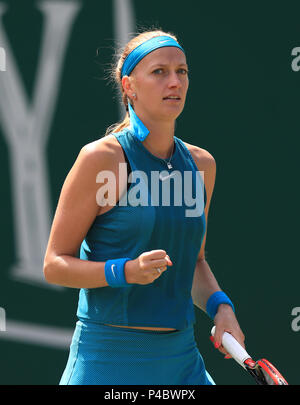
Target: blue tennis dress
(162, 209)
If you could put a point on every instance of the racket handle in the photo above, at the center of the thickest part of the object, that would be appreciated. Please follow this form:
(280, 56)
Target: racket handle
(232, 346)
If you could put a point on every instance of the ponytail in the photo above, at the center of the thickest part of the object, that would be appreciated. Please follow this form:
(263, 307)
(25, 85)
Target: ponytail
(118, 127)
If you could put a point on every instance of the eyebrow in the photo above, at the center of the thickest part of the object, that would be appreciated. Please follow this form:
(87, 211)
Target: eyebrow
(164, 64)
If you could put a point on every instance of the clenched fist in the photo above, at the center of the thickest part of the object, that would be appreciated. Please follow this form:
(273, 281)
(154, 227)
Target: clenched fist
(147, 267)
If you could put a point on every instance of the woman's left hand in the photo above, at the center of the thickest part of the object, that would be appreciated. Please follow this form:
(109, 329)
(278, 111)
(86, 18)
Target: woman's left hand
(226, 321)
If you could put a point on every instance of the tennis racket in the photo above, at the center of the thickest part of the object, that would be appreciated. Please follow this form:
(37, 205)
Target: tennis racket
(263, 372)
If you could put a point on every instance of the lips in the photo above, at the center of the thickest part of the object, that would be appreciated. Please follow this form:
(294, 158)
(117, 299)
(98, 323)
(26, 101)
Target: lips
(172, 97)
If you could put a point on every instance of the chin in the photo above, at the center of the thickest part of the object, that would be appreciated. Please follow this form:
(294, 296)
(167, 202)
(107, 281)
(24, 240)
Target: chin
(172, 111)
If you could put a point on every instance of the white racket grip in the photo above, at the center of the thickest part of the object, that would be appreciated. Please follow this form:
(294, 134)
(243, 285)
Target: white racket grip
(232, 346)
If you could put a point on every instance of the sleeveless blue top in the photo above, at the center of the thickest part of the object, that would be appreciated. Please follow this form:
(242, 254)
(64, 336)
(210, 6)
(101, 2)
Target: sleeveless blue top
(129, 229)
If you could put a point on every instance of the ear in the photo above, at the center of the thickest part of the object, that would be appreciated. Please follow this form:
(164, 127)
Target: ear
(128, 86)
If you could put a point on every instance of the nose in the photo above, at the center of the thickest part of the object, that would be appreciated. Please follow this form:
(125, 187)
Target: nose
(174, 80)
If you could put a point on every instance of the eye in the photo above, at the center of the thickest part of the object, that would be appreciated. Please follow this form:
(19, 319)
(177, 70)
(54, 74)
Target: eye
(183, 71)
(158, 71)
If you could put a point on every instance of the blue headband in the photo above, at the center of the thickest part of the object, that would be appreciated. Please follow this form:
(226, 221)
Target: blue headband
(142, 50)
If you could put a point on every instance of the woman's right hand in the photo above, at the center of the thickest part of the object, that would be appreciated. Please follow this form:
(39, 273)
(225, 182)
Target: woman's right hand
(143, 269)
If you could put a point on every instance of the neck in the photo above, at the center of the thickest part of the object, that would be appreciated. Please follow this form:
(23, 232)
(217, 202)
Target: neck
(160, 141)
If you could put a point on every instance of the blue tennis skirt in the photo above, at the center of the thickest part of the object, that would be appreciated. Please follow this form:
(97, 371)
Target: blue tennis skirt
(109, 355)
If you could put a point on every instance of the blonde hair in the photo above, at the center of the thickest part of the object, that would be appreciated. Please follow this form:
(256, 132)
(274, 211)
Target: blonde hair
(116, 72)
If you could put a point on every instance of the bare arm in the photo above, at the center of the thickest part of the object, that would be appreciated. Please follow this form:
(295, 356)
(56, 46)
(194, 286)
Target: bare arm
(204, 282)
(76, 210)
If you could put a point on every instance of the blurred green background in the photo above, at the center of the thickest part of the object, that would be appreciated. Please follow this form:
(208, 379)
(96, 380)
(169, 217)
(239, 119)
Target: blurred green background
(242, 106)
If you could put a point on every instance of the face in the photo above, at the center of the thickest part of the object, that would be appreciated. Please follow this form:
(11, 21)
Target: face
(160, 82)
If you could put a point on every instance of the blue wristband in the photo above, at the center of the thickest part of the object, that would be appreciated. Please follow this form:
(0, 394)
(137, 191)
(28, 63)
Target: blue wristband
(213, 302)
(114, 272)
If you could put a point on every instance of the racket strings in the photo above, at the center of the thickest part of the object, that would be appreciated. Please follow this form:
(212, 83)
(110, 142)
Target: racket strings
(264, 372)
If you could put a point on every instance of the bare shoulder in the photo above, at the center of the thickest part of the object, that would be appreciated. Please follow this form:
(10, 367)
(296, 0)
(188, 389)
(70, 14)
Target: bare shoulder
(203, 159)
(207, 165)
(100, 155)
(105, 151)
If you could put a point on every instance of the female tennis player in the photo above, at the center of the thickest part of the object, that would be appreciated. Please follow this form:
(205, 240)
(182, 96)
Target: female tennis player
(142, 265)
